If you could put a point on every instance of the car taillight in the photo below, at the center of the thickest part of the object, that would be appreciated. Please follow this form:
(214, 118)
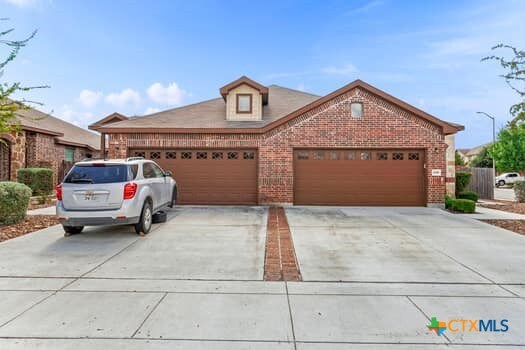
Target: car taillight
(59, 192)
(129, 190)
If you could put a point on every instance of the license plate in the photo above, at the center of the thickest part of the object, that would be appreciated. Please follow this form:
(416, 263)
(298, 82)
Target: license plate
(89, 196)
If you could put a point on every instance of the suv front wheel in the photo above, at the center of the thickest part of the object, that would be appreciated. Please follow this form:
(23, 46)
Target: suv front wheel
(146, 218)
(173, 198)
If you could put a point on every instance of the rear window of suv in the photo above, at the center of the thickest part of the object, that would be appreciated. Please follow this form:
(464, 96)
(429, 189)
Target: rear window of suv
(100, 174)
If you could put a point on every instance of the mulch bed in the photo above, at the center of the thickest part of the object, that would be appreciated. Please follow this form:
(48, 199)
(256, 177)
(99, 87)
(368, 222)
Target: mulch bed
(517, 226)
(280, 263)
(513, 207)
(30, 224)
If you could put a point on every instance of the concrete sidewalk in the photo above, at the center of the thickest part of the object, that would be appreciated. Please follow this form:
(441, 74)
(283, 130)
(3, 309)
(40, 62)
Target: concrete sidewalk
(43, 211)
(493, 214)
(184, 314)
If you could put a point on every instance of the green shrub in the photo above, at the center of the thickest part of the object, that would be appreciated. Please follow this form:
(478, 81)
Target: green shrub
(14, 198)
(448, 201)
(473, 196)
(464, 205)
(462, 181)
(519, 190)
(40, 180)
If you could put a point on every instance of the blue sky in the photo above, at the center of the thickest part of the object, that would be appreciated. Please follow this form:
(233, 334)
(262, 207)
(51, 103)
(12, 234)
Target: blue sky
(136, 57)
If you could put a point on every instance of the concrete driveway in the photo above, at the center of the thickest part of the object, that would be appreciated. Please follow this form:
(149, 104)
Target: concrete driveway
(373, 278)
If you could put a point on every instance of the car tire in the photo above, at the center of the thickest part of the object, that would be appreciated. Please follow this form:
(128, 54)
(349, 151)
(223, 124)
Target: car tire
(146, 219)
(72, 230)
(173, 198)
(160, 217)
(501, 183)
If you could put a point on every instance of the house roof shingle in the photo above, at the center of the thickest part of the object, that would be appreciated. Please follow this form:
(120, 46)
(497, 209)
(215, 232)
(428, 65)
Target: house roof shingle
(212, 113)
(64, 132)
(284, 104)
(476, 150)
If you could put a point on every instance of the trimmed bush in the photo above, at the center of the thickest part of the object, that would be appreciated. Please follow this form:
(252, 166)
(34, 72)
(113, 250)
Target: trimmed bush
(519, 190)
(448, 202)
(473, 196)
(14, 198)
(464, 205)
(462, 181)
(40, 180)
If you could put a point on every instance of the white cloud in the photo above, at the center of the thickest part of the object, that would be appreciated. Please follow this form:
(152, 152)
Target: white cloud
(23, 3)
(170, 95)
(88, 98)
(81, 119)
(301, 87)
(125, 97)
(346, 70)
(151, 110)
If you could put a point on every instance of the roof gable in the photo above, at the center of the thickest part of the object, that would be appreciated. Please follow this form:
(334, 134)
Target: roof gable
(112, 118)
(247, 81)
(448, 128)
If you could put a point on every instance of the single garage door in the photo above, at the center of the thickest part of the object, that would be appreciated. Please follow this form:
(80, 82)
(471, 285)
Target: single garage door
(359, 177)
(209, 176)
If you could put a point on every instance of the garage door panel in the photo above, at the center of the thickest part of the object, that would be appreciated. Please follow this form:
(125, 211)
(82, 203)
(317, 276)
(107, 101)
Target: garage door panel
(210, 176)
(341, 177)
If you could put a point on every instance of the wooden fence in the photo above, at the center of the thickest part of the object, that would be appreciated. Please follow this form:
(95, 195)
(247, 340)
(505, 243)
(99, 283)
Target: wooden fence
(481, 182)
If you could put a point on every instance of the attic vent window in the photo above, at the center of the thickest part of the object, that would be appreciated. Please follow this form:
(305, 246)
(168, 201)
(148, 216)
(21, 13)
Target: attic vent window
(244, 103)
(356, 110)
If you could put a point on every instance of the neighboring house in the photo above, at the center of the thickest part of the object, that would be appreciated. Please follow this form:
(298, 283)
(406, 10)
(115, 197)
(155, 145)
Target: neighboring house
(272, 145)
(471, 153)
(45, 141)
(463, 154)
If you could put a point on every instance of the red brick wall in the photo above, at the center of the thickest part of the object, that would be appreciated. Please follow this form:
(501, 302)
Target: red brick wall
(383, 125)
(36, 150)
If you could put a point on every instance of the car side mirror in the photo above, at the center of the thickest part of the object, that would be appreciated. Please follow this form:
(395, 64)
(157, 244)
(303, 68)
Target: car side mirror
(167, 174)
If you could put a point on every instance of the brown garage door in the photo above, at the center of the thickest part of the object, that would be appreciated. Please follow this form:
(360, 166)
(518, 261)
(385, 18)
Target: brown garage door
(209, 176)
(359, 177)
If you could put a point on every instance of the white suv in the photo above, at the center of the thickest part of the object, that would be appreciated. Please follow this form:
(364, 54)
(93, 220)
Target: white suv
(508, 178)
(114, 192)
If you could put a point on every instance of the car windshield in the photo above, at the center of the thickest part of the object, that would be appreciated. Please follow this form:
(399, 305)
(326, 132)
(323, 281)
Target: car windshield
(97, 174)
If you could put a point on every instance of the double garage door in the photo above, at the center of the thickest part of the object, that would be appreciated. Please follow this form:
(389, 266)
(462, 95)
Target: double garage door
(321, 176)
(359, 177)
(209, 176)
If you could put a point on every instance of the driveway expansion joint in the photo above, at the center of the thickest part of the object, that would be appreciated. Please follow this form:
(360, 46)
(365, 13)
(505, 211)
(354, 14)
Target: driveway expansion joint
(149, 314)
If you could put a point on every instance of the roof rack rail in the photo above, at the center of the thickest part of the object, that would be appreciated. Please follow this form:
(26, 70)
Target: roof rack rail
(90, 159)
(133, 158)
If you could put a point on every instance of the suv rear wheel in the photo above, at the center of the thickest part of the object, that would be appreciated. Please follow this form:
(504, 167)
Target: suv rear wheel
(146, 217)
(72, 230)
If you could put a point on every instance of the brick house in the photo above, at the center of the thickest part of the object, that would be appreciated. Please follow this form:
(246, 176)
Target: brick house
(45, 141)
(260, 144)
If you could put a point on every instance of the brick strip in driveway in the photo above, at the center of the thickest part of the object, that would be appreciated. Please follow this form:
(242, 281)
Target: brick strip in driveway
(280, 262)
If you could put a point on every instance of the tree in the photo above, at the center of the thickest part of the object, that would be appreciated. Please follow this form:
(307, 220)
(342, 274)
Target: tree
(10, 105)
(459, 159)
(515, 78)
(483, 159)
(509, 150)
